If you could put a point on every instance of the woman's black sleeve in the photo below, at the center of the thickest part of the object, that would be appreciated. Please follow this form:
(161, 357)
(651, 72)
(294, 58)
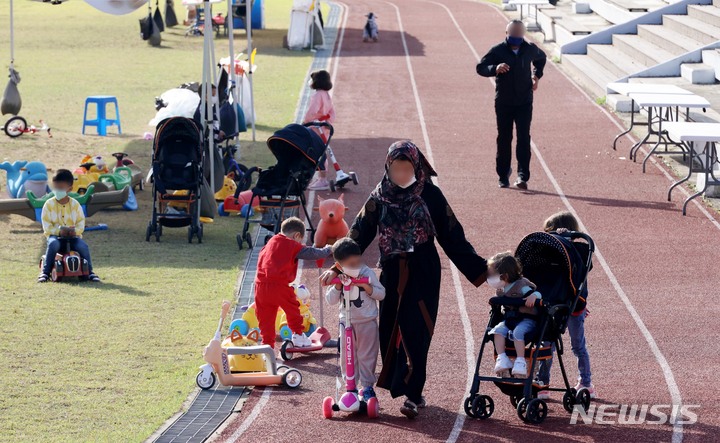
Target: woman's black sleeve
(365, 227)
(451, 236)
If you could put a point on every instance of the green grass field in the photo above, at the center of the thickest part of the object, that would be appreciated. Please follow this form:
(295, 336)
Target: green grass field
(112, 362)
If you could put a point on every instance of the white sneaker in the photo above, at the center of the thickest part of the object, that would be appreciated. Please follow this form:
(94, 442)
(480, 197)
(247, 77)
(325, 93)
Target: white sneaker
(320, 184)
(519, 368)
(502, 364)
(590, 389)
(543, 395)
(301, 341)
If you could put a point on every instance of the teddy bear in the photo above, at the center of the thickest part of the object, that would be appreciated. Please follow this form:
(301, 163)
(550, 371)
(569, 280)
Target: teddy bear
(332, 224)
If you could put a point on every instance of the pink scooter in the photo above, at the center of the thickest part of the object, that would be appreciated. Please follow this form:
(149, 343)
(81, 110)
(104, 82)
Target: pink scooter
(350, 401)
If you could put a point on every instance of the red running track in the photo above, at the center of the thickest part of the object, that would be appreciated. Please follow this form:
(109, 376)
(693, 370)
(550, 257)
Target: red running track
(653, 327)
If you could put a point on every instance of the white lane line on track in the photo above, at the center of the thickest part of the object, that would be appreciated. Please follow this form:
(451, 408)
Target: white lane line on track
(659, 357)
(464, 318)
(311, 197)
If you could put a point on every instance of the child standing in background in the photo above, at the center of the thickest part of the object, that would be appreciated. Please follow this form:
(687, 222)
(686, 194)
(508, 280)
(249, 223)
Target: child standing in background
(320, 109)
(563, 222)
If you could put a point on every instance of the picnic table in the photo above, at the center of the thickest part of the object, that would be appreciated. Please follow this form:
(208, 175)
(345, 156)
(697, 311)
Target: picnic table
(693, 134)
(640, 88)
(531, 26)
(662, 105)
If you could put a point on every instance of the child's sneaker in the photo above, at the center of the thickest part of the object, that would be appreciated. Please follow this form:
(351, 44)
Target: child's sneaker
(301, 341)
(320, 184)
(93, 277)
(409, 409)
(543, 395)
(367, 393)
(590, 389)
(502, 364)
(42, 278)
(519, 368)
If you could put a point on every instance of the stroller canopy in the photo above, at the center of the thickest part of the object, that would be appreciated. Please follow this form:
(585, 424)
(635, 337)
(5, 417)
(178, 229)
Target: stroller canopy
(553, 264)
(296, 147)
(180, 133)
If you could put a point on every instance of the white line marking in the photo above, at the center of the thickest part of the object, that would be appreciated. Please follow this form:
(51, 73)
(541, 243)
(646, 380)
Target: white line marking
(662, 361)
(264, 398)
(311, 197)
(464, 318)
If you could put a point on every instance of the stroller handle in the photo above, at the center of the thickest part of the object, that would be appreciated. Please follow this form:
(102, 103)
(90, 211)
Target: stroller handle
(574, 235)
(321, 124)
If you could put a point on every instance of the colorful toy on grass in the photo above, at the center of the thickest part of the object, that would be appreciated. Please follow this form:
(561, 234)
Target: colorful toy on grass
(239, 205)
(218, 364)
(248, 322)
(67, 263)
(17, 126)
(228, 189)
(350, 401)
(95, 169)
(23, 176)
(246, 362)
(91, 202)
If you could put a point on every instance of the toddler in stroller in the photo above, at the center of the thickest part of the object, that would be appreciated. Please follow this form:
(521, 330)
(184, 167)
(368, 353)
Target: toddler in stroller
(552, 262)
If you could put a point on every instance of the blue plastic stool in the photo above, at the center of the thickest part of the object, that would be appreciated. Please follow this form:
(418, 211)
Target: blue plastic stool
(101, 121)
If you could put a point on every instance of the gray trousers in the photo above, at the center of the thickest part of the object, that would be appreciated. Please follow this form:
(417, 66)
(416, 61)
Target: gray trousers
(367, 347)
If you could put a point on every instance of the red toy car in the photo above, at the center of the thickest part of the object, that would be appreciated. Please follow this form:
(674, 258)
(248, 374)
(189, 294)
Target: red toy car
(67, 264)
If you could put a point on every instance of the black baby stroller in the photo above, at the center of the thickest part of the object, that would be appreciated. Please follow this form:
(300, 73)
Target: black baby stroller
(177, 163)
(553, 263)
(280, 189)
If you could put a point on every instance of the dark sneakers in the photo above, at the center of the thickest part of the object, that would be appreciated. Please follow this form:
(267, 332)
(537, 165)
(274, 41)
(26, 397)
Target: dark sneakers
(409, 409)
(520, 183)
(503, 183)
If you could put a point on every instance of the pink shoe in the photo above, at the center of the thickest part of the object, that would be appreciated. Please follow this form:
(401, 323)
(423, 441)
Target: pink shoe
(543, 395)
(590, 389)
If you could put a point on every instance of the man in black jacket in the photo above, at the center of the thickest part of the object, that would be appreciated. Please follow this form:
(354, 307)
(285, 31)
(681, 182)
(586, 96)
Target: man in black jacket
(517, 66)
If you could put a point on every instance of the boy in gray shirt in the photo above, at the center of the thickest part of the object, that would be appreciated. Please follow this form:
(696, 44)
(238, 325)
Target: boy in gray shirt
(363, 311)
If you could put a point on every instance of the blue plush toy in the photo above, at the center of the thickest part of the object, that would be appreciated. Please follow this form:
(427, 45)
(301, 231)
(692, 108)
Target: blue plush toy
(23, 176)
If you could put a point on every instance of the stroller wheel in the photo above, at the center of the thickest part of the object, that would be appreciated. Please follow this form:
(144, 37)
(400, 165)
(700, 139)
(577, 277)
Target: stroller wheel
(200, 233)
(583, 398)
(239, 240)
(569, 400)
(148, 232)
(190, 234)
(483, 407)
(536, 411)
(467, 405)
(248, 240)
(522, 409)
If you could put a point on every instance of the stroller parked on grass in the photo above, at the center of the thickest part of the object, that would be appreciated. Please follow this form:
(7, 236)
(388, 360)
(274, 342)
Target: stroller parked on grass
(553, 263)
(177, 163)
(280, 189)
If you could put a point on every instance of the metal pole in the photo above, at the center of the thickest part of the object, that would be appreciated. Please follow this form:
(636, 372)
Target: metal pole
(248, 30)
(231, 69)
(208, 70)
(12, 36)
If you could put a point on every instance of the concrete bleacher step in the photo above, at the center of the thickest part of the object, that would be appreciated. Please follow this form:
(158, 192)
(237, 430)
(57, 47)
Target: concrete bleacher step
(711, 57)
(615, 60)
(591, 74)
(698, 73)
(639, 5)
(668, 39)
(641, 50)
(692, 27)
(709, 14)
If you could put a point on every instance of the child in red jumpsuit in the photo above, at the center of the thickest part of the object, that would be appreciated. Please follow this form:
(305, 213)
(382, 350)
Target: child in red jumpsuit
(276, 270)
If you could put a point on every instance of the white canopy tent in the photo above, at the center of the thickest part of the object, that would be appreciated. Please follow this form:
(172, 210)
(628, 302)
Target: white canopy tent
(305, 26)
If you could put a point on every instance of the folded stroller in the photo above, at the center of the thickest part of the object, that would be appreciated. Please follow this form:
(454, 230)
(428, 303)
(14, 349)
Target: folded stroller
(177, 163)
(551, 261)
(280, 189)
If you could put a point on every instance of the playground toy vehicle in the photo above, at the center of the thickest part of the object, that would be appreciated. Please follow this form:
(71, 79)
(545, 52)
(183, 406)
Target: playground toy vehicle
(136, 174)
(67, 263)
(17, 126)
(218, 364)
(244, 363)
(350, 401)
(318, 339)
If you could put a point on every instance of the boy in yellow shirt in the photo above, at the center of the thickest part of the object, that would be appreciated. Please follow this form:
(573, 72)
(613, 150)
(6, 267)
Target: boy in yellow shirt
(63, 220)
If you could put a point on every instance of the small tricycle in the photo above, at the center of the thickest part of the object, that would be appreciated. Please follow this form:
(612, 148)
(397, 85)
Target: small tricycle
(17, 126)
(67, 263)
(218, 365)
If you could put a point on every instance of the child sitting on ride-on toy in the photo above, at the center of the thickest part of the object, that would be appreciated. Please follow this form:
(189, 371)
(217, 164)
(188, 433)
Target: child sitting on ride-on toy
(63, 220)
